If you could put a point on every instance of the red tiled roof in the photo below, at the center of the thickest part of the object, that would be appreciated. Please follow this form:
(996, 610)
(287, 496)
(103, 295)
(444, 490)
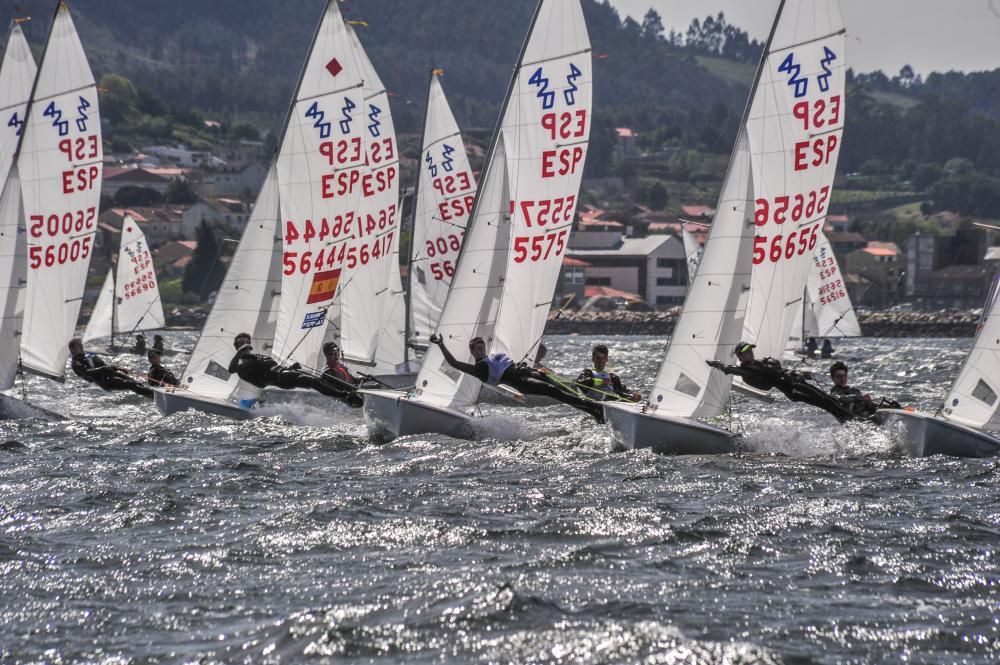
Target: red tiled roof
(608, 292)
(624, 132)
(698, 211)
(575, 263)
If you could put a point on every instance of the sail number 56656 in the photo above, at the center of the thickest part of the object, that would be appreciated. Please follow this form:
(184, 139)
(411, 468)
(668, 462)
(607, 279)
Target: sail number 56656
(780, 246)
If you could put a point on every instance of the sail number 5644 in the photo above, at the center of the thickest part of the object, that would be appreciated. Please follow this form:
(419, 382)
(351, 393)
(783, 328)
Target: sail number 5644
(779, 246)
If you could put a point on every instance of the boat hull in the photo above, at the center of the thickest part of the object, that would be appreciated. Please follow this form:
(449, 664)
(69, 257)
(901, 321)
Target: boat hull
(668, 435)
(390, 414)
(924, 435)
(175, 401)
(12, 408)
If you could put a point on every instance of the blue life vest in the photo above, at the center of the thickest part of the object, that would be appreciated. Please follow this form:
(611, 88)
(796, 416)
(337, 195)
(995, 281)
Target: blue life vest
(498, 364)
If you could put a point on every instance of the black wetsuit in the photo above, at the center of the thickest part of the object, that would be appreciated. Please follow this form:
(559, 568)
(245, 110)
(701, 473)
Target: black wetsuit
(768, 373)
(528, 381)
(92, 369)
(861, 408)
(603, 386)
(161, 376)
(263, 371)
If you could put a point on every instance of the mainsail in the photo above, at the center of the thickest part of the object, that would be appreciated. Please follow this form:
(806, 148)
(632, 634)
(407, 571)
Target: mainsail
(446, 190)
(692, 252)
(367, 297)
(546, 131)
(320, 170)
(17, 74)
(135, 304)
(246, 302)
(794, 129)
(60, 164)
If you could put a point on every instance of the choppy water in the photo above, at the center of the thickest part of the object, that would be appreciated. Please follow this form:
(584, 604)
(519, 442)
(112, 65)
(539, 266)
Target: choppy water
(127, 537)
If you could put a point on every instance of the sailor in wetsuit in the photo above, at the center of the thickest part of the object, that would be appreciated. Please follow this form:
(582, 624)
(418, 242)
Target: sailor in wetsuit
(92, 369)
(158, 343)
(263, 371)
(498, 368)
(861, 406)
(159, 375)
(335, 369)
(768, 373)
(600, 384)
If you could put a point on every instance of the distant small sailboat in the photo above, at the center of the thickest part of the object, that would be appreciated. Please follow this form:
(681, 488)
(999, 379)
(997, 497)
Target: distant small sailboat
(971, 406)
(445, 192)
(129, 301)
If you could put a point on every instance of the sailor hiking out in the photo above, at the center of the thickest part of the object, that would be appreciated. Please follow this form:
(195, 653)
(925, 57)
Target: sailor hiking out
(497, 368)
(159, 375)
(861, 406)
(262, 371)
(92, 369)
(768, 373)
(600, 384)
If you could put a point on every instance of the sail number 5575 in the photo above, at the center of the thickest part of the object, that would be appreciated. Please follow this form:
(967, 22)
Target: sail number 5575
(540, 247)
(781, 246)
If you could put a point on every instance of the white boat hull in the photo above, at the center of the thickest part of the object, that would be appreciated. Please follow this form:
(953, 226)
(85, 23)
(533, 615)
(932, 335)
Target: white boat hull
(390, 414)
(923, 435)
(668, 435)
(174, 401)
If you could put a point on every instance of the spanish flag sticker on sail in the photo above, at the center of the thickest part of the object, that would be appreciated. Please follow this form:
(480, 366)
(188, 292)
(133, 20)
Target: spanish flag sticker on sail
(324, 286)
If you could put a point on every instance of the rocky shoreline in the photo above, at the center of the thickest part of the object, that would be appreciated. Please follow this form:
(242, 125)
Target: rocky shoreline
(873, 324)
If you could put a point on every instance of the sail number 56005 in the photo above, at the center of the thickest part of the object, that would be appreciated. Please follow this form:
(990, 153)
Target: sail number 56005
(777, 247)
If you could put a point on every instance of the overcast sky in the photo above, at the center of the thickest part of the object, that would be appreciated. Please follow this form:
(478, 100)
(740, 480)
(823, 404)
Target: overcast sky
(929, 35)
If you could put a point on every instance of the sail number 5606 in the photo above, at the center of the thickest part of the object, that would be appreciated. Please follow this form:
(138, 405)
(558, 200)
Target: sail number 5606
(779, 246)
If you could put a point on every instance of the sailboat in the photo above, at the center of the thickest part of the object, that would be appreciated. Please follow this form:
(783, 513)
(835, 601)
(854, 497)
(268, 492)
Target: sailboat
(129, 301)
(246, 302)
(17, 74)
(825, 310)
(771, 209)
(520, 222)
(445, 193)
(692, 252)
(971, 406)
(60, 164)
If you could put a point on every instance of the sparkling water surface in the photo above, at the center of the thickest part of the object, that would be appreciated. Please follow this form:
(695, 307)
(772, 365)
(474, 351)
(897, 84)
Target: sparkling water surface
(129, 537)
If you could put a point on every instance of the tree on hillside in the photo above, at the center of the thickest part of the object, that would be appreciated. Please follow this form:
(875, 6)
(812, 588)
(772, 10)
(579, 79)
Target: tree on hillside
(652, 25)
(131, 196)
(204, 274)
(180, 191)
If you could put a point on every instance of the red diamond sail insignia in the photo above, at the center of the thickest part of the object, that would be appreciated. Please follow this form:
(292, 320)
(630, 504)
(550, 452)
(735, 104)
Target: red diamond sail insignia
(334, 67)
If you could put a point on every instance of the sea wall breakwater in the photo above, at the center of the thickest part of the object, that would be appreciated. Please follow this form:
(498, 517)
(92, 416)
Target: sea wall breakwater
(873, 324)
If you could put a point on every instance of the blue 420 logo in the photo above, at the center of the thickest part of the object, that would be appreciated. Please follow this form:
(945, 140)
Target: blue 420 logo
(548, 97)
(800, 83)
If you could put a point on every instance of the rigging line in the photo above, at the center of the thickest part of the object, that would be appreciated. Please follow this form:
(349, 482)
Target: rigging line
(810, 41)
(440, 140)
(556, 318)
(132, 332)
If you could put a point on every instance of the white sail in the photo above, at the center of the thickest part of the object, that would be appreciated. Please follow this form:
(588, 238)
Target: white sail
(246, 302)
(446, 189)
(99, 323)
(60, 165)
(794, 128)
(366, 296)
(711, 322)
(137, 294)
(320, 170)
(17, 74)
(13, 264)
(474, 298)
(974, 398)
(829, 312)
(390, 352)
(692, 252)
(546, 131)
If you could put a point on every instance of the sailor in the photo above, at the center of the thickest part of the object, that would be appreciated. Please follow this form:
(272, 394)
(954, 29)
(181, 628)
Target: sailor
(768, 373)
(139, 347)
(860, 405)
(262, 371)
(600, 384)
(827, 350)
(159, 375)
(335, 369)
(811, 346)
(158, 343)
(496, 368)
(92, 369)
